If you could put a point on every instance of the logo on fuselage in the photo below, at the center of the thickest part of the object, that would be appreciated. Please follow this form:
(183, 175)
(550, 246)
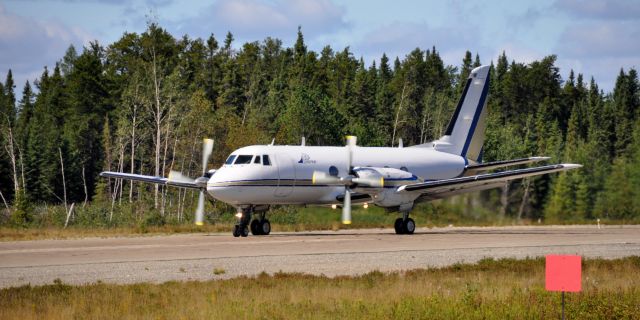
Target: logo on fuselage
(304, 158)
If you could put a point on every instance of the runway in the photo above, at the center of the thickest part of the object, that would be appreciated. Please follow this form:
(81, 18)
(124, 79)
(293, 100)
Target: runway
(346, 252)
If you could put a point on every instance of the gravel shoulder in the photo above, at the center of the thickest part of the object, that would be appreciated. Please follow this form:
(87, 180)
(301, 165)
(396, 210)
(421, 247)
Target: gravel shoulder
(346, 252)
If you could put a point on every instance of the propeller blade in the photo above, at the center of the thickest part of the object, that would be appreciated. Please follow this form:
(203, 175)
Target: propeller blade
(176, 176)
(320, 177)
(200, 209)
(207, 149)
(346, 207)
(351, 143)
(370, 181)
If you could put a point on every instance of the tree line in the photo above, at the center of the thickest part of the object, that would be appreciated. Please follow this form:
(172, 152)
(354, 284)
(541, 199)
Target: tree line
(143, 103)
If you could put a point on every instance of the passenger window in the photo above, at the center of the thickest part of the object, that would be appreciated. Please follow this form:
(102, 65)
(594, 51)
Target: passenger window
(265, 160)
(256, 160)
(243, 159)
(230, 159)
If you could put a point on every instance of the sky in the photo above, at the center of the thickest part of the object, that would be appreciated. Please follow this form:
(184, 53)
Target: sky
(592, 37)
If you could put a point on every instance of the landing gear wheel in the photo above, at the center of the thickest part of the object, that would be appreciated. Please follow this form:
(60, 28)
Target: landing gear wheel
(398, 226)
(265, 227)
(236, 231)
(244, 231)
(256, 228)
(409, 226)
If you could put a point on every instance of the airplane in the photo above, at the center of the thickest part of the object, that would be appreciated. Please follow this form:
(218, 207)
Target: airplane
(253, 178)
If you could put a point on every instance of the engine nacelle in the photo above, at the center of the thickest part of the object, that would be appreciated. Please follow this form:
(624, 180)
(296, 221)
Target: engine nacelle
(393, 178)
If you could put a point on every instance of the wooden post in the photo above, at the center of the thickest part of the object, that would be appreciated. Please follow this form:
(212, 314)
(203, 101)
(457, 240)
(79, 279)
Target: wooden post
(563, 273)
(562, 305)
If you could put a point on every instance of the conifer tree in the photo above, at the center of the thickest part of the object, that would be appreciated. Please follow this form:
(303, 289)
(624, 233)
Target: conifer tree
(8, 105)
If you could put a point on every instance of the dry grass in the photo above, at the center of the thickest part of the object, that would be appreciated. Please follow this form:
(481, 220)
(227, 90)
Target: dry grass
(487, 290)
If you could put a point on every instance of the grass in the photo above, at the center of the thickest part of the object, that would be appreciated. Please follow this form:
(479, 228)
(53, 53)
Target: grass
(490, 289)
(219, 271)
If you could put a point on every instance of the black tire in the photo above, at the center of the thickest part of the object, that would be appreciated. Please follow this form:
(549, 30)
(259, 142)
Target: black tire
(409, 226)
(265, 227)
(255, 227)
(236, 231)
(399, 226)
(244, 231)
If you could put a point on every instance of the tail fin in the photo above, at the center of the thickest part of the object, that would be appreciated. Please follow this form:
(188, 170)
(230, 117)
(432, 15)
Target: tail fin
(465, 133)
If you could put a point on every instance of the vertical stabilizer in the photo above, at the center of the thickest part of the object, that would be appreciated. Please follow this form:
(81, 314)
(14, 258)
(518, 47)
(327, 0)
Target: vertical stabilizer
(465, 133)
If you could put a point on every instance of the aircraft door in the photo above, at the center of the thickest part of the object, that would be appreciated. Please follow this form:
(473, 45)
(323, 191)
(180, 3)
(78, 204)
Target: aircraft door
(286, 175)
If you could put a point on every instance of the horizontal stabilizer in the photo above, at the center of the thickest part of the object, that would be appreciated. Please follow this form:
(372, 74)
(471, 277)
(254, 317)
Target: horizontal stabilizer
(479, 182)
(476, 168)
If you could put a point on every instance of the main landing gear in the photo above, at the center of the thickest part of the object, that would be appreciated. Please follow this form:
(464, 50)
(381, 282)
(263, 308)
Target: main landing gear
(405, 225)
(260, 226)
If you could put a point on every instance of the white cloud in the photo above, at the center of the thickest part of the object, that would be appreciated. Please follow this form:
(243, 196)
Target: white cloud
(601, 9)
(604, 70)
(120, 2)
(600, 49)
(601, 38)
(27, 45)
(400, 38)
(517, 52)
(255, 20)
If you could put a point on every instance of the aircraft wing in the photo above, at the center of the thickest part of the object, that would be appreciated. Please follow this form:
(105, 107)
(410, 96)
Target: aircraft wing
(438, 189)
(178, 182)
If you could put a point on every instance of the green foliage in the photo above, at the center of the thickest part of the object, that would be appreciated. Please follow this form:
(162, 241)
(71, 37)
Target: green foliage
(22, 216)
(154, 219)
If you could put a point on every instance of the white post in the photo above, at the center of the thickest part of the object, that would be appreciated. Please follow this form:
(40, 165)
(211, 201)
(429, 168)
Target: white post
(66, 222)
(64, 183)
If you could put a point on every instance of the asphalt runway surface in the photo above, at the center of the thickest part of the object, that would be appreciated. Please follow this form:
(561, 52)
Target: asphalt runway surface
(345, 252)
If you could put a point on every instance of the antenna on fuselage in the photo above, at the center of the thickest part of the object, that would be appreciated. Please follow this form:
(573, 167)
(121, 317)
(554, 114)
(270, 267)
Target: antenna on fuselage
(302, 142)
(272, 141)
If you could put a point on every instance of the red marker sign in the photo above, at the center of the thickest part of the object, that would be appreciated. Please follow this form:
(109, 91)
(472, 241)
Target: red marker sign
(563, 273)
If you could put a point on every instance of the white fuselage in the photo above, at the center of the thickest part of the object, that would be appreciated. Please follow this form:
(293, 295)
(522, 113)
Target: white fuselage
(288, 178)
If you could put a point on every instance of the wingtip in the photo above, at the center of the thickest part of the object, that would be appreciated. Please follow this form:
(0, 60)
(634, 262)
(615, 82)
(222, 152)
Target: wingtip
(540, 158)
(571, 165)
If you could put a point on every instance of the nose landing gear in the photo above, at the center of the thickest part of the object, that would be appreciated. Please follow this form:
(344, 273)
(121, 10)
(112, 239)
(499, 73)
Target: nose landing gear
(240, 230)
(259, 226)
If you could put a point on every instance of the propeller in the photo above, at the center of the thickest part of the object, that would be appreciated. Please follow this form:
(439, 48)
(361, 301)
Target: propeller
(207, 149)
(350, 180)
(346, 205)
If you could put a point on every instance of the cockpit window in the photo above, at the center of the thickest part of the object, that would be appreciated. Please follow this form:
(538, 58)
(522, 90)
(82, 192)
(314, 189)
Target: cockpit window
(243, 159)
(230, 159)
(256, 160)
(265, 160)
